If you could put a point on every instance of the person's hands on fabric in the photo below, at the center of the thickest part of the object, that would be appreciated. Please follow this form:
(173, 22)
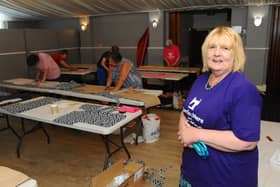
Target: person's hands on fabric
(37, 82)
(111, 89)
(107, 88)
(114, 89)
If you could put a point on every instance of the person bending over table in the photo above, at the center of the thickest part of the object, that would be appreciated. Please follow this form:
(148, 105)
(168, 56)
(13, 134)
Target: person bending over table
(219, 126)
(122, 73)
(46, 67)
(60, 59)
(103, 65)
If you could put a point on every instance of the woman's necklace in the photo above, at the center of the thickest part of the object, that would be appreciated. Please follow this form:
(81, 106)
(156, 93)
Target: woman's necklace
(208, 86)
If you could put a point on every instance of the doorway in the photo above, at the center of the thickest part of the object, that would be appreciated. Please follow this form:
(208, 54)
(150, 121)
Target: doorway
(194, 27)
(196, 39)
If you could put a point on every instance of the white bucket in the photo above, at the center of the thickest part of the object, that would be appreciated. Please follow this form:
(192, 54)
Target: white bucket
(151, 130)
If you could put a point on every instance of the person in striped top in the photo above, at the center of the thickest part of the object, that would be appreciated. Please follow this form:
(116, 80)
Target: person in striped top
(122, 74)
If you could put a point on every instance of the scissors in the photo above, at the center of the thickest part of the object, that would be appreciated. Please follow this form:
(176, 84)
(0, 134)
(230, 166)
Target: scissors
(201, 149)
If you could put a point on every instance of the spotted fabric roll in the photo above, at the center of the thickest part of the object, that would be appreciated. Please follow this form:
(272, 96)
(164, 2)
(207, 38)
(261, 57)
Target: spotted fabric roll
(23, 107)
(93, 115)
(67, 85)
(90, 107)
(110, 96)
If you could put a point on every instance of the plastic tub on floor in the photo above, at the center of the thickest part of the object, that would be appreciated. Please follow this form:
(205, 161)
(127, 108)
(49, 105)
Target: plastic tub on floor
(151, 130)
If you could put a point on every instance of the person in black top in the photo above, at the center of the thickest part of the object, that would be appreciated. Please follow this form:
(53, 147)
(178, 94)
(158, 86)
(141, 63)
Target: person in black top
(103, 65)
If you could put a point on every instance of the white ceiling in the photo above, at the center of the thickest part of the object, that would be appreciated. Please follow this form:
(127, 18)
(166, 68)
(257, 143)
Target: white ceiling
(43, 9)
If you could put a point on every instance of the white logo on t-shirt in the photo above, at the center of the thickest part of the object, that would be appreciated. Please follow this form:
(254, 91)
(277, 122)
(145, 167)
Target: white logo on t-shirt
(194, 103)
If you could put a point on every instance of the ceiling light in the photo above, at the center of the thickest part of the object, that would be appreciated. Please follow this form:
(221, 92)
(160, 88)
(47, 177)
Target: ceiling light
(83, 27)
(155, 23)
(257, 21)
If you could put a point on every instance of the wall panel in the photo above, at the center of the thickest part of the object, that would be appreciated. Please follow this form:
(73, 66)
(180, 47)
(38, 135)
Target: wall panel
(13, 66)
(11, 40)
(12, 54)
(41, 39)
(70, 40)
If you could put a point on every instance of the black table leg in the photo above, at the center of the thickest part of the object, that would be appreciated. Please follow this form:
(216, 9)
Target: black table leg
(33, 129)
(9, 126)
(109, 153)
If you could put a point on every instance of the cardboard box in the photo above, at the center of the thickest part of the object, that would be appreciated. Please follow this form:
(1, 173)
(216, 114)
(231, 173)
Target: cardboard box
(11, 178)
(131, 175)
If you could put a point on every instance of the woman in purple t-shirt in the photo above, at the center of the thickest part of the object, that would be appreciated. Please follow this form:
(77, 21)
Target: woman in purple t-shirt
(223, 111)
(46, 67)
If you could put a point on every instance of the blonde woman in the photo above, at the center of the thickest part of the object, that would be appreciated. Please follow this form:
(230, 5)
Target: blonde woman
(222, 112)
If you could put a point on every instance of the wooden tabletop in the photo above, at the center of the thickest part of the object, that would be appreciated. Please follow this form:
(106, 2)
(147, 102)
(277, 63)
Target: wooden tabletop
(195, 70)
(83, 91)
(163, 75)
(83, 69)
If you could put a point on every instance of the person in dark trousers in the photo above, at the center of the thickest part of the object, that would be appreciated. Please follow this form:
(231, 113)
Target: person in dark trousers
(103, 65)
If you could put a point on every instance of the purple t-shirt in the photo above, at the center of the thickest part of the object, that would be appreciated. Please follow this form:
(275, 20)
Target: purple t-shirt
(233, 104)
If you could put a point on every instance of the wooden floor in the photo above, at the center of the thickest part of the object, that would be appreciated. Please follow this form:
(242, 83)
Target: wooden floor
(74, 157)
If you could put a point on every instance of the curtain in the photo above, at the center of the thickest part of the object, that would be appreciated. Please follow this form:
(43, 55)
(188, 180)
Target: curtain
(142, 48)
(174, 27)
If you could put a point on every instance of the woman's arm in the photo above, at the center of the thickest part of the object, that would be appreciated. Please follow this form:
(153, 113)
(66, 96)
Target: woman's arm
(44, 76)
(178, 54)
(37, 74)
(109, 79)
(166, 61)
(68, 66)
(177, 62)
(126, 67)
(103, 64)
(223, 140)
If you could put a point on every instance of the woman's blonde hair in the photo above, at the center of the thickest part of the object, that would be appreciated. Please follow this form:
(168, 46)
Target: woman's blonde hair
(227, 36)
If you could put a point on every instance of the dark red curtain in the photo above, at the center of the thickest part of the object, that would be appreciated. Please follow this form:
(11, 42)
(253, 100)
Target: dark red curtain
(273, 69)
(174, 27)
(142, 48)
